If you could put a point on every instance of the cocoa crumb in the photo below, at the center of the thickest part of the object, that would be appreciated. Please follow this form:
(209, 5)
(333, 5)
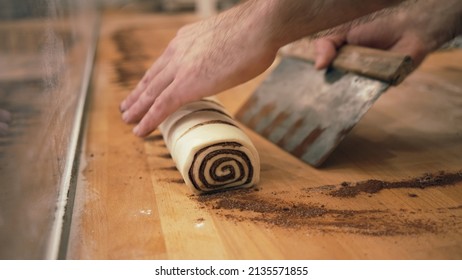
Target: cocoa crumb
(373, 186)
(246, 205)
(165, 155)
(173, 180)
(154, 138)
(169, 168)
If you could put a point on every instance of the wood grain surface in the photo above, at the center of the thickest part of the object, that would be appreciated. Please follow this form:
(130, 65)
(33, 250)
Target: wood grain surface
(131, 202)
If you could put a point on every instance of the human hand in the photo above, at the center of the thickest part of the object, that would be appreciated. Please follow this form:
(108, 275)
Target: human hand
(414, 30)
(231, 48)
(203, 59)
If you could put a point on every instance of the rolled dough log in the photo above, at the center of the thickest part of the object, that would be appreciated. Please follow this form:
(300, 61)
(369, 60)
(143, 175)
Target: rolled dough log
(209, 149)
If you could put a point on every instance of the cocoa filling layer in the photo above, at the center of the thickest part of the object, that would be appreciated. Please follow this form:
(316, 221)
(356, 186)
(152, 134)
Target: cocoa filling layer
(203, 184)
(213, 171)
(188, 115)
(204, 123)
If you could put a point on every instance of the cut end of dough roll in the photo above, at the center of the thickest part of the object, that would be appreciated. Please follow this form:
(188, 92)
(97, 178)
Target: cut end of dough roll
(221, 166)
(209, 149)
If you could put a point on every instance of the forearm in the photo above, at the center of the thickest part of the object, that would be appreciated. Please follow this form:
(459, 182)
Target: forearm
(289, 20)
(441, 19)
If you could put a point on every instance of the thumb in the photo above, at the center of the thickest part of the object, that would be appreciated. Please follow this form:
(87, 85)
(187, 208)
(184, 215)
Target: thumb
(325, 50)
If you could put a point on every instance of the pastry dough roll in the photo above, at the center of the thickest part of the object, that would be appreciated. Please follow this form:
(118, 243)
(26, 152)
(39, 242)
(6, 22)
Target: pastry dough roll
(209, 149)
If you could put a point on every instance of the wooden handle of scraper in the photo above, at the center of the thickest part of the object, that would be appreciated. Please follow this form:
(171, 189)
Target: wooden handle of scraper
(382, 65)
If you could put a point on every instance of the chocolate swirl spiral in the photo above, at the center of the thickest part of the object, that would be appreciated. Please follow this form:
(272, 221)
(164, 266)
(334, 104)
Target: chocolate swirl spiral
(222, 165)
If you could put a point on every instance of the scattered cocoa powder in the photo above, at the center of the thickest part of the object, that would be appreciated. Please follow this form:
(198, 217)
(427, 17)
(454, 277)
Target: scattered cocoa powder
(165, 155)
(348, 190)
(178, 181)
(154, 138)
(169, 168)
(173, 181)
(247, 205)
(130, 67)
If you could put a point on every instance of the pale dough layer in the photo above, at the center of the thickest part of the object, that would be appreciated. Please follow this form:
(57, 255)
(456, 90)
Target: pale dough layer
(209, 149)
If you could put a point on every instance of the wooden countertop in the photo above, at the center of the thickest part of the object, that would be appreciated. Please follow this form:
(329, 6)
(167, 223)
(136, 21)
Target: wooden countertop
(131, 202)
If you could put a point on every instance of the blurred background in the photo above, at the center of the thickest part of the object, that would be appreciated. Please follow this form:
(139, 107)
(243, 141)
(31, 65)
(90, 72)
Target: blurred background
(46, 51)
(46, 57)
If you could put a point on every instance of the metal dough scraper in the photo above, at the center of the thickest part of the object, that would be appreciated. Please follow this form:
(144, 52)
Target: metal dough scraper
(307, 112)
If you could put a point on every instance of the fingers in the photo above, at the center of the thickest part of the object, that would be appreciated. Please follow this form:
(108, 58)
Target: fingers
(152, 72)
(155, 104)
(168, 102)
(145, 99)
(326, 50)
